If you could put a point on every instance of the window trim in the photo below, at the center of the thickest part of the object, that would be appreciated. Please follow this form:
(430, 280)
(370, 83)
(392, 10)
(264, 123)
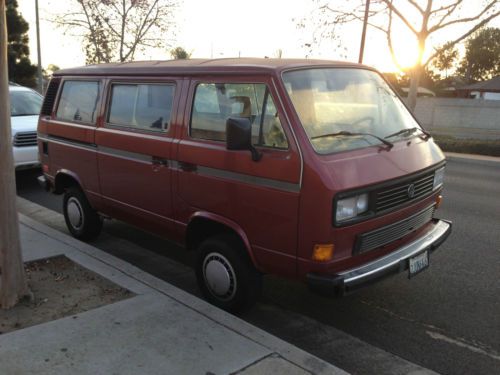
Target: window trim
(135, 129)
(236, 82)
(98, 100)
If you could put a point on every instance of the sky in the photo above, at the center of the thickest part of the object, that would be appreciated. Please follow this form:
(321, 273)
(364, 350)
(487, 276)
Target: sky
(232, 28)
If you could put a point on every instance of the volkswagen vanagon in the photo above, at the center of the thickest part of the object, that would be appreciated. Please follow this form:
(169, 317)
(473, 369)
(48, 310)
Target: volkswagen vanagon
(310, 170)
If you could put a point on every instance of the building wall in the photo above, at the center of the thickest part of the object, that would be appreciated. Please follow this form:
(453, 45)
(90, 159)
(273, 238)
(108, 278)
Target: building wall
(461, 118)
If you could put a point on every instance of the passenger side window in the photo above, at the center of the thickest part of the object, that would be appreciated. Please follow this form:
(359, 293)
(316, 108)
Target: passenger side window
(214, 103)
(78, 101)
(141, 106)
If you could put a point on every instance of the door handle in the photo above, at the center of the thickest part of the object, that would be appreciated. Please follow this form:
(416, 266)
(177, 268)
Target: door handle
(187, 167)
(155, 160)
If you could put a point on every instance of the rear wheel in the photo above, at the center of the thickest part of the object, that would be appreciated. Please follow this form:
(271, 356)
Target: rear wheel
(226, 275)
(81, 219)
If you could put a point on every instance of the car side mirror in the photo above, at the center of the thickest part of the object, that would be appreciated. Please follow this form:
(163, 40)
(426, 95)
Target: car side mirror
(239, 136)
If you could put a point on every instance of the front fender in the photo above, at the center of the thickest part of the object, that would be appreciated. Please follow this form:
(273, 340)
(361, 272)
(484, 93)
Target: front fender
(231, 225)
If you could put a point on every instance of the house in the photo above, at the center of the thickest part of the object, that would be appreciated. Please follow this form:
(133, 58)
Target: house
(421, 92)
(489, 90)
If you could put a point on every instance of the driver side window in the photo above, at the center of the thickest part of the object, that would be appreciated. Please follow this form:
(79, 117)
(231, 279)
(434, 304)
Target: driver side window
(214, 103)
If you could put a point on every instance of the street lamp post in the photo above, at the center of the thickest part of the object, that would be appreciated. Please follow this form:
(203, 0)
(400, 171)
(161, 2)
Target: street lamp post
(363, 34)
(39, 72)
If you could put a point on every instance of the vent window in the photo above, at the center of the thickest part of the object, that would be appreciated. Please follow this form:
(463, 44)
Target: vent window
(50, 97)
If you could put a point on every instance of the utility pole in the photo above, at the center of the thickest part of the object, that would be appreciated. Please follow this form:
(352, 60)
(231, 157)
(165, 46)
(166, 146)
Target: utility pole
(363, 34)
(40, 77)
(13, 284)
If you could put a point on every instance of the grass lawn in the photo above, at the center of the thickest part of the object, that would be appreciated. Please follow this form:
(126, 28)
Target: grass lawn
(468, 146)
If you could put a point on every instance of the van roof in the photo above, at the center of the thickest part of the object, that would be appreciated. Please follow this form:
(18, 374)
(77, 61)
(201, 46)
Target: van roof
(200, 66)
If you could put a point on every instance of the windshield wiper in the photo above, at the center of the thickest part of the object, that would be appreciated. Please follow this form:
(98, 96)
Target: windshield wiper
(409, 131)
(349, 134)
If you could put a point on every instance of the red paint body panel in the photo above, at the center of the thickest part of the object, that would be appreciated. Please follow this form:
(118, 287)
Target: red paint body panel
(129, 184)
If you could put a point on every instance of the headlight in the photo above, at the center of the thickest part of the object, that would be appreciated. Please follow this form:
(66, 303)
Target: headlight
(351, 207)
(438, 178)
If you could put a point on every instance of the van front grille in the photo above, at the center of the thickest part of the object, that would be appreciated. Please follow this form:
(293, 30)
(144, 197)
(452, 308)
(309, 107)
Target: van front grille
(395, 195)
(25, 139)
(383, 236)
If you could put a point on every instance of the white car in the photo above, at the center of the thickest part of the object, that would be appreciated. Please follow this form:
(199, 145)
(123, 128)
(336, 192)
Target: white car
(24, 108)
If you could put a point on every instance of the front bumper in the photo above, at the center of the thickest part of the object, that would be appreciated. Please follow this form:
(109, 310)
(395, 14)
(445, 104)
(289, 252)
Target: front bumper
(397, 261)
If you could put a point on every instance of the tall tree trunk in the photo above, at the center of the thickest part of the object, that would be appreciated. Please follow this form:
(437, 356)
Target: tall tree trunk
(416, 72)
(13, 284)
(414, 83)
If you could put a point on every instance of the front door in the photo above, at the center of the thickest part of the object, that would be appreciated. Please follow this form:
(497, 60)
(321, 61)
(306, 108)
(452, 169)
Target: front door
(261, 197)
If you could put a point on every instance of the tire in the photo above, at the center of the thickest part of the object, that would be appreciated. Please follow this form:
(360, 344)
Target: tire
(81, 219)
(226, 275)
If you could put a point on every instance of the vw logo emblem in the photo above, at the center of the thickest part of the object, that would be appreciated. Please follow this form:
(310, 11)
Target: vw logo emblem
(411, 191)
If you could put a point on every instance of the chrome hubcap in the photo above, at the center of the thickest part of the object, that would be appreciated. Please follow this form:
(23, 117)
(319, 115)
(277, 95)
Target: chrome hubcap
(219, 276)
(75, 213)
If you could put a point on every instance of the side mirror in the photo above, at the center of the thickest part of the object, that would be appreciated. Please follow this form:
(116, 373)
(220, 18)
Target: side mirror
(239, 136)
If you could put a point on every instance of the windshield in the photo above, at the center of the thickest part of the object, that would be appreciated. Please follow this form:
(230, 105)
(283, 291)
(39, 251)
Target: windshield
(25, 103)
(333, 103)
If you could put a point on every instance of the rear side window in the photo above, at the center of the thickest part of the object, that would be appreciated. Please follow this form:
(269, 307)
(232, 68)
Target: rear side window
(78, 101)
(141, 106)
(214, 103)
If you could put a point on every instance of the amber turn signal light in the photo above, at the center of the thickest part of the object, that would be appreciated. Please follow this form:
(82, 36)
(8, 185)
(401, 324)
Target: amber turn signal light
(439, 199)
(323, 252)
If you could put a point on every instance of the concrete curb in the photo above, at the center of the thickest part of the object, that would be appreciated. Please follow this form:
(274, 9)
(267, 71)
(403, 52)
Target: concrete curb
(136, 280)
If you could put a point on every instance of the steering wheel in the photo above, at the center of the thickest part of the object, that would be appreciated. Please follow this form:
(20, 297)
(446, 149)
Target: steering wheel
(362, 119)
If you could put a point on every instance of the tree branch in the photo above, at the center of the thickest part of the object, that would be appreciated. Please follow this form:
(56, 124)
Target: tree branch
(143, 30)
(468, 19)
(465, 35)
(400, 15)
(389, 42)
(111, 27)
(446, 7)
(418, 7)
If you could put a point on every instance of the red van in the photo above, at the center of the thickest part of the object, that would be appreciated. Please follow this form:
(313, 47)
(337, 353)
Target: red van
(311, 170)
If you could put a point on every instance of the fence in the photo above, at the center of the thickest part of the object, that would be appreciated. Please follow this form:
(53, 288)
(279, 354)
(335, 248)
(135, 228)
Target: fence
(460, 118)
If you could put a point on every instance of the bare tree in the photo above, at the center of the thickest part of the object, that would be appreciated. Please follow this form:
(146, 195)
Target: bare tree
(13, 284)
(422, 18)
(118, 29)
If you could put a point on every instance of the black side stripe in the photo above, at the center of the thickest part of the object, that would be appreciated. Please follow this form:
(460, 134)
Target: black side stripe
(200, 170)
(244, 178)
(66, 141)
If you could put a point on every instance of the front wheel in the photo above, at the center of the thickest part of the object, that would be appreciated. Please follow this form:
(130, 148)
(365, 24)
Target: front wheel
(81, 219)
(226, 275)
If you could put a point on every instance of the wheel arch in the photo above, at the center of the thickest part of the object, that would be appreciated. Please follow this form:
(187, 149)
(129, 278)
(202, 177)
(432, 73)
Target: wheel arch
(203, 225)
(64, 179)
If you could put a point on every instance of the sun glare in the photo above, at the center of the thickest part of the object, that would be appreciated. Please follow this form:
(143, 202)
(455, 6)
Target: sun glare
(405, 49)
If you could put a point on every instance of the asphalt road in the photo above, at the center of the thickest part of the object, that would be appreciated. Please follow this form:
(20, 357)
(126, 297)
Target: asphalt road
(447, 319)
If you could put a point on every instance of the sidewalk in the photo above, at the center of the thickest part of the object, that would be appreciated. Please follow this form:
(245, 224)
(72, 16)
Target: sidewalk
(162, 330)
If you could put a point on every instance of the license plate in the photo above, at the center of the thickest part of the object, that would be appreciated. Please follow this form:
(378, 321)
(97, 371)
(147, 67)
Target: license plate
(418, 263)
